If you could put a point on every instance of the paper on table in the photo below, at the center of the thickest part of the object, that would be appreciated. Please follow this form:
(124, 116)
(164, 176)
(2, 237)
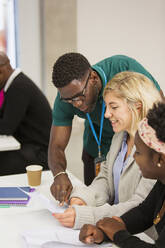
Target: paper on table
(59, 235)
(52, 206)
(62, 245)
(56, 237)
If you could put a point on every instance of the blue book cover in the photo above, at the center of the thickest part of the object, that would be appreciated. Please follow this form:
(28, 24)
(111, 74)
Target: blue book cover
(12, 194)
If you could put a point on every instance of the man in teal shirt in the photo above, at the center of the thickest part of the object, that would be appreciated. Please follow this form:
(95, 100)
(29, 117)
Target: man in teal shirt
(80, 88)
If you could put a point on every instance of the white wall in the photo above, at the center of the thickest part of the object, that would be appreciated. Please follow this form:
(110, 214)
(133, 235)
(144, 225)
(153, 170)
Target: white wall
(132, 27)
(29, 42)
(104, 28)
(59, 32)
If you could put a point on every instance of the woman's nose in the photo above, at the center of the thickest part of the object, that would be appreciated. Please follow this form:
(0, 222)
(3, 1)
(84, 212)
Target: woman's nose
(107, 114)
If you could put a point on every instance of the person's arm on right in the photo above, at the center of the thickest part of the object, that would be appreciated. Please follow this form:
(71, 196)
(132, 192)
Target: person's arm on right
(59, 138)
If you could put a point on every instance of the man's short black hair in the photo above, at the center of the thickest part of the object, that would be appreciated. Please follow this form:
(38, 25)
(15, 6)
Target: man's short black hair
(68, 67)
(156, 119)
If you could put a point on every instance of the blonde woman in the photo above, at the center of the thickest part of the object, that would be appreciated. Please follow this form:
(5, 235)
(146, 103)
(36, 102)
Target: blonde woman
(119, 186)
(150, 157)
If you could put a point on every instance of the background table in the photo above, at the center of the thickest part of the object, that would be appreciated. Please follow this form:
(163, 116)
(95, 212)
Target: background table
(8, 143)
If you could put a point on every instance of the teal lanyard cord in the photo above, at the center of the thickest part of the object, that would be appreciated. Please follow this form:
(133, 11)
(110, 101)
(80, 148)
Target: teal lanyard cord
(101, 121)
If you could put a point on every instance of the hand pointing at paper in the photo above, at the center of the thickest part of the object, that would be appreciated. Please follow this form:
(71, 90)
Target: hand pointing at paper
(61, 188)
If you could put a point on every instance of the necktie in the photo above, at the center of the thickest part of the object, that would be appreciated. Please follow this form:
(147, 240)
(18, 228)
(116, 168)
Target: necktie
(1, 97)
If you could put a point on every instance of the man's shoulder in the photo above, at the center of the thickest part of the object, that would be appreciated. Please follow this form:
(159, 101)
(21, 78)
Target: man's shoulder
(23, 79)
(24, 83)
(110, 66)
(115, 58)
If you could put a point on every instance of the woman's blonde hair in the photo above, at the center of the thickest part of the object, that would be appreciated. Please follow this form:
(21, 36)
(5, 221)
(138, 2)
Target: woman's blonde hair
(135, 88)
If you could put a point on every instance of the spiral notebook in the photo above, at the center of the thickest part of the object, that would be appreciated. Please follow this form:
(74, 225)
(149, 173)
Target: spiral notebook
(14, 196)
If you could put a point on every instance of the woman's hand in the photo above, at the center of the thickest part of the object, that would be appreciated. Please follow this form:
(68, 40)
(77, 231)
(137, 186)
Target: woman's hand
(67, 218)
(77, 201)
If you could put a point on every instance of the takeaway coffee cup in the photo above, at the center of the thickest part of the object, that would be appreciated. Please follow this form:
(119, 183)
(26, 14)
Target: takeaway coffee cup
(34, 174)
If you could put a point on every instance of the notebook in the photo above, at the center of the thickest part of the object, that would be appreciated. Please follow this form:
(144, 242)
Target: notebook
(14, 202)
(8, 194)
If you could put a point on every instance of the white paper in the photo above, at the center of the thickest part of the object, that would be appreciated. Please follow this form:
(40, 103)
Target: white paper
(61, 245)
(55, 237)
(52, 206)
(58, 237)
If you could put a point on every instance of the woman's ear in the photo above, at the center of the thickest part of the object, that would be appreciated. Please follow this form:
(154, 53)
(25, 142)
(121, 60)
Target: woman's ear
(138, 105)
(162, 159)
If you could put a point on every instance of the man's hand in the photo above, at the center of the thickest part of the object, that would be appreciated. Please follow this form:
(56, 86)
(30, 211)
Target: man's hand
(61, 188)
(90, 234)
(110, 226)
(77, 201)
(59, 138)
(67, 218)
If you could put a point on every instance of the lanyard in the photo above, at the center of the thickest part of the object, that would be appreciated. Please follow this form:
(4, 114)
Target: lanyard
(101, 121)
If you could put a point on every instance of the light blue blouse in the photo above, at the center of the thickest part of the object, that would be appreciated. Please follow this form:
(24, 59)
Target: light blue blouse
(119, 165)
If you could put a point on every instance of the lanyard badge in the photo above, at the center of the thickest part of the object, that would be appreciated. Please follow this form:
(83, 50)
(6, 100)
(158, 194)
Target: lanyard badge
(98, 161)
(101, 157)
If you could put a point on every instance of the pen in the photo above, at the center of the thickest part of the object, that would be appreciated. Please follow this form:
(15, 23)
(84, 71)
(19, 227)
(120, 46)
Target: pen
(4, 206)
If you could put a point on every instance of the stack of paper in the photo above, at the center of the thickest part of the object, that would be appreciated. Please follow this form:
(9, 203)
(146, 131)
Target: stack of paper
(56, 237)
(13, 196)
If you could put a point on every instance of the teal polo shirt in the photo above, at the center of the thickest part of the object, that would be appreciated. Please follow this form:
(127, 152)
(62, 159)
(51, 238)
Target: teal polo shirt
(63, 113)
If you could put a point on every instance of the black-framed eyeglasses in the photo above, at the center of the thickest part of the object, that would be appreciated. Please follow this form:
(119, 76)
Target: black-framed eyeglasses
(79, 96)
